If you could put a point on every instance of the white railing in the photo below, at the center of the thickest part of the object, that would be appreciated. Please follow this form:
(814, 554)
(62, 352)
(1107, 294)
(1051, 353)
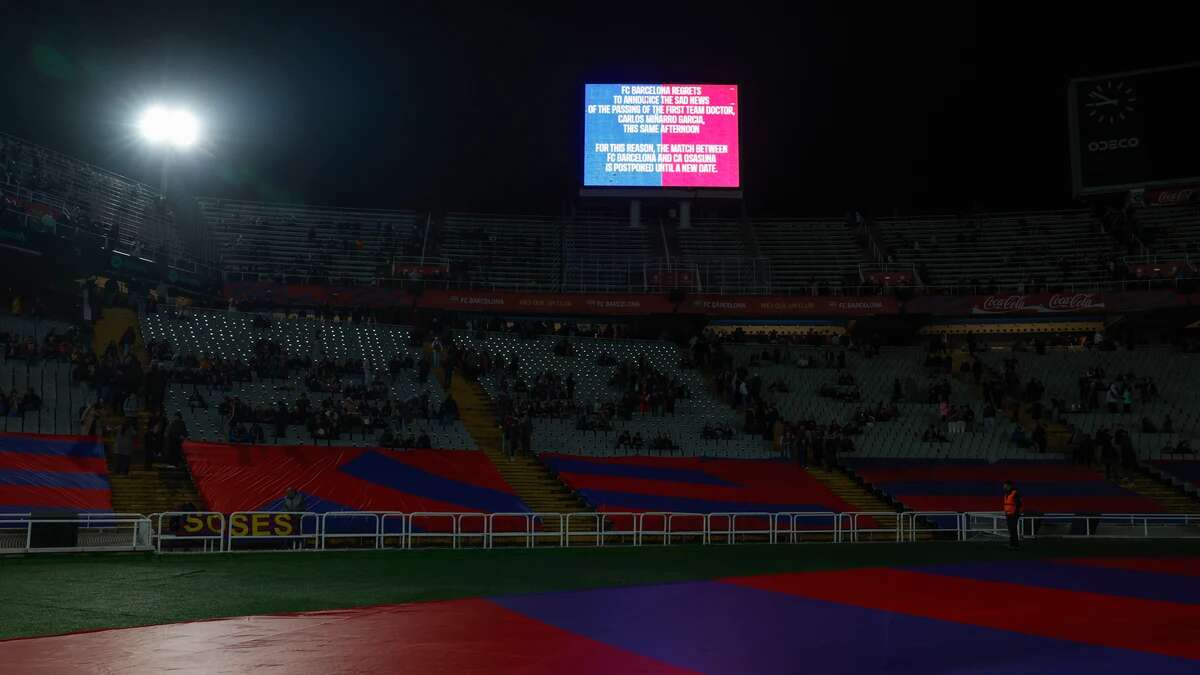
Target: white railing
(913, 523)
(212, 532)
(22, 533)
(852, 524)
(353, 518)
(187, 528)
(793, 528)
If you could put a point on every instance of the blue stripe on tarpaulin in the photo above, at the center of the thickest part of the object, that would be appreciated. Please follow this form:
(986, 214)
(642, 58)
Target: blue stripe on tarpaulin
(678, 624)
(644, 502)
(335, 524)
(54, 479)
(580, 466)
(376, 468)
(1097, 488)
(37, 446)
(1068, 577)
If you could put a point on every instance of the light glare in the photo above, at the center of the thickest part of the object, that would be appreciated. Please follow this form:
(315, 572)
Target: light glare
(176, 127)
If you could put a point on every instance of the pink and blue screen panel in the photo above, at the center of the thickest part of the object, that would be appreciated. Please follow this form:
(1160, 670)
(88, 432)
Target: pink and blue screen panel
(661, 135)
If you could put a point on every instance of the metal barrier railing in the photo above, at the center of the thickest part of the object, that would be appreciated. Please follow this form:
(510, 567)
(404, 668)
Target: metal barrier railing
(731, 530)
(213, 532)
(940, 522)
(106, 532)
(876, 518)
(206, 528)
(374, 535)
(524, 532)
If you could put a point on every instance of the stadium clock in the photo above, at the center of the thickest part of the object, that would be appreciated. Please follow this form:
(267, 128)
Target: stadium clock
(1110, 101)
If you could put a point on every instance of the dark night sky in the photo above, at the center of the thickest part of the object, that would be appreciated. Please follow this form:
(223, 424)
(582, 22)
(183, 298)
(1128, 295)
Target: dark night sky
(915, 106)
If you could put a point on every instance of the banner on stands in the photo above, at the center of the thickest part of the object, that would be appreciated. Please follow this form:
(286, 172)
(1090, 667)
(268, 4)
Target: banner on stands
(252, 293)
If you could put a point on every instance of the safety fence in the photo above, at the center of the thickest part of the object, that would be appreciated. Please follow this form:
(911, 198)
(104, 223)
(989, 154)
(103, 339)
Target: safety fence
(75, 533)
(211, 532)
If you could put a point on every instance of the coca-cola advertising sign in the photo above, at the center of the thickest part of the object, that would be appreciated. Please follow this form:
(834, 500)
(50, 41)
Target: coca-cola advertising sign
(1041, 303)
(1172, 197)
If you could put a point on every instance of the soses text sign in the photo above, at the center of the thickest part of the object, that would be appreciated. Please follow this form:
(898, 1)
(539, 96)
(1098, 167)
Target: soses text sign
(240, 525)
(661, 135)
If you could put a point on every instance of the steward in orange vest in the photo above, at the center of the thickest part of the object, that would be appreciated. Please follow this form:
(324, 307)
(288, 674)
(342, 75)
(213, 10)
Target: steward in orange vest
(1012, 513)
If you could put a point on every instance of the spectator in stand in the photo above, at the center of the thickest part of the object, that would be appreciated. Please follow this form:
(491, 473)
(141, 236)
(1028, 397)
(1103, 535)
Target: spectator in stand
(123, 447)
(152, 442)
(1039, 437)
(293, 501)
(177, 431)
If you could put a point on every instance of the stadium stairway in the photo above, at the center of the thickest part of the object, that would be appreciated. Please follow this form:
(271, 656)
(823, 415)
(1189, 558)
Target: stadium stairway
(112, 325)
(143, 491)
(541, 491)
(154, 490)
(1058, 437)
(858, 495)
(1172, 498)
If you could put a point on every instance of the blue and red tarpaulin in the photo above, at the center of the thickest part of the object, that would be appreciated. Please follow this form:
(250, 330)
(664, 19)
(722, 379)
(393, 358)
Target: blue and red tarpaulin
(256, 477)
(694, 485)
(1108, 617)
(53, 473)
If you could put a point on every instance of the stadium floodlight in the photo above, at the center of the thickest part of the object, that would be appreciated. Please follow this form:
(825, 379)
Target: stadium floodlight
(175, 127)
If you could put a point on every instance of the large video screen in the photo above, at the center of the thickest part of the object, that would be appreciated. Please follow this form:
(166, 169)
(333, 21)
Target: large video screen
(1135, 130)
(660, 135)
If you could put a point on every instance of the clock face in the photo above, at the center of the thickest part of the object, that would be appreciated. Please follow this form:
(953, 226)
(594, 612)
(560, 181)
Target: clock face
(1110, 101)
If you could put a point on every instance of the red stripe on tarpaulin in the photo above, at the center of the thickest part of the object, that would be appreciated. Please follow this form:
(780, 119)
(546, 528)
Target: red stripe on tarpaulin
(1188, 566)
(457, 636)
(57, 497)
(1066, 504)
(25, 461)
(244, 478)
(468, 466)
(756, 473)
(1018, 473)
(1129, 623)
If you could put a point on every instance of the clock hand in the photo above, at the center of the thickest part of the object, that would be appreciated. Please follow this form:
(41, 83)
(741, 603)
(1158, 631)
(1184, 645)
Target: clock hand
(1095, 94)
(1095, 104)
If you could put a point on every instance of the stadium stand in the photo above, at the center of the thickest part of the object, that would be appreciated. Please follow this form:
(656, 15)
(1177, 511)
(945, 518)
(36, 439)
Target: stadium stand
(590, 421)
(724, 255)
(809, 389)
(1172, 233)
(309, 244)
(505, 251)
(1007, 250)
(1159, 380)
(130, 215)
(41, 389)
(244, 478)
(953, 484)
(368, 374)
(808, 253)
(603, 253)
(693, 485)
(53, 473)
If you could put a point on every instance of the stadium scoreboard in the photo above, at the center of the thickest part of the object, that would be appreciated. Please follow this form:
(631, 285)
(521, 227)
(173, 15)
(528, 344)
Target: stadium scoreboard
(661, 135)
(1135, 130)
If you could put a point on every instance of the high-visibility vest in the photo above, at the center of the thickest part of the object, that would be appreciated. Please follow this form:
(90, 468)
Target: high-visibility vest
(1010, 503)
